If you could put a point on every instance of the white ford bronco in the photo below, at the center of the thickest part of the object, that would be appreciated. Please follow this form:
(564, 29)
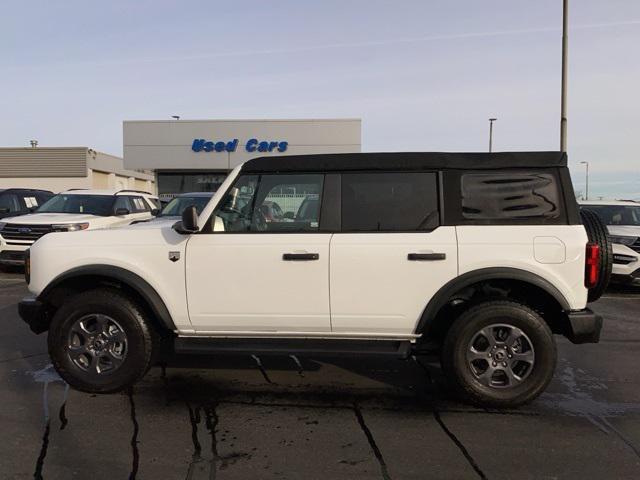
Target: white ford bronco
(479, 257)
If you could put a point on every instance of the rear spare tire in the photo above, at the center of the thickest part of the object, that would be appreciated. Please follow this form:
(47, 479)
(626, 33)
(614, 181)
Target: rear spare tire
(597, 233)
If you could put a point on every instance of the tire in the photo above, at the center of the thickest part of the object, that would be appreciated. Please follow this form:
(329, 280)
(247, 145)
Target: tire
(484, 388)
(597, 233)
(100, 341)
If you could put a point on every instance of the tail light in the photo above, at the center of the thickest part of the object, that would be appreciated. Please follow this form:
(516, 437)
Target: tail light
(592, 265)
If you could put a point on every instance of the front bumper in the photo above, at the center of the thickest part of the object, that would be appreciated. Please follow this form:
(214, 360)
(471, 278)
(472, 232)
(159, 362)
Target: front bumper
(33, 312)
(12, 257)
(584, 326)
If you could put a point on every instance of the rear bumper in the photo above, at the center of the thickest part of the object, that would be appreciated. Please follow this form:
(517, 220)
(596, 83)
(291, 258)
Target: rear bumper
(584, 326)
(32, 311)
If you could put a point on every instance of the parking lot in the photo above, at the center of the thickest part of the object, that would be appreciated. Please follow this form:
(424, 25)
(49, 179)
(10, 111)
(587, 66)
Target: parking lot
(289, 417)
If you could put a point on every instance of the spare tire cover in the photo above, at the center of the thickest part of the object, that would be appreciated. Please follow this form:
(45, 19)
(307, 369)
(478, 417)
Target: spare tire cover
(597, 233)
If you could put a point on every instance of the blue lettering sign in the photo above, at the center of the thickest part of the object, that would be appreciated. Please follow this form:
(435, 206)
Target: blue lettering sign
(252, 145)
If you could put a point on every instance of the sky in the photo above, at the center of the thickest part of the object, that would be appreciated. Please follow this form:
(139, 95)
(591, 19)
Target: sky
(422, 75)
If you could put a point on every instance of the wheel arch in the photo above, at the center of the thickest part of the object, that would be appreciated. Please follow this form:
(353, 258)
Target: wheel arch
(512, 276)
(87, 276)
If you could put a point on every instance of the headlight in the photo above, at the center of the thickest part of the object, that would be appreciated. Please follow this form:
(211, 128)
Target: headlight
(628, 241)
(70, 227)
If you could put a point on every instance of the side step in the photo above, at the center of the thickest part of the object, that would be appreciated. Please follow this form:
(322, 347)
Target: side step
(289, 346)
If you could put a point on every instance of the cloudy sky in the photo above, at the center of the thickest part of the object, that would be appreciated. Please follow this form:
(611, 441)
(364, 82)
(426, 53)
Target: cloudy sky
(422, 75)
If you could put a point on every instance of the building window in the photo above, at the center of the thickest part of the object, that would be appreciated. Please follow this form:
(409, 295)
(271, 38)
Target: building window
(173, 183)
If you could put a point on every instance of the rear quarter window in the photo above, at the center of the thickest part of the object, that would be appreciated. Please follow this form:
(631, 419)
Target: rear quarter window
(506, 197)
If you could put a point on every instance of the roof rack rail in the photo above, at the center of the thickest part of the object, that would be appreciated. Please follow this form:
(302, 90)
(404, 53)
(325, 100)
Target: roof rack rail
(135, 191)
(75, 189)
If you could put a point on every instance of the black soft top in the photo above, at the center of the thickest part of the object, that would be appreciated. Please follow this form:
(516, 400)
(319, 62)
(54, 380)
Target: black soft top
(404, 161)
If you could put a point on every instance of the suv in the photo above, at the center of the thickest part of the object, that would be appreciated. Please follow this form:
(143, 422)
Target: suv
(71, 211)
(479, 257)
(20, 201)
(622, 219)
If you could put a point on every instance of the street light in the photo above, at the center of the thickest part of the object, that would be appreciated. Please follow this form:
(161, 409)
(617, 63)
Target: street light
(177, 117)
(491, 120)
(586, 195)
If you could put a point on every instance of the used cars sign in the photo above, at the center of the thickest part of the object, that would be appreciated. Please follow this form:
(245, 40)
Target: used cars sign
(252, 145)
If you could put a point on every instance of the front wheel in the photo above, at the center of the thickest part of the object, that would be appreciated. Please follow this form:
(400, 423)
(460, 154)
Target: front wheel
(100, 341)
(499, 354)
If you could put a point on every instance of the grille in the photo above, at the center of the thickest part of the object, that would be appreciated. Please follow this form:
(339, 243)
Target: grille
(15, 231)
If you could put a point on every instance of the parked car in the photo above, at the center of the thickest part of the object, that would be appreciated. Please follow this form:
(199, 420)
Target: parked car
(20, 201)
(622, 219)
(478, 257)
(173, 210)
(71, 211)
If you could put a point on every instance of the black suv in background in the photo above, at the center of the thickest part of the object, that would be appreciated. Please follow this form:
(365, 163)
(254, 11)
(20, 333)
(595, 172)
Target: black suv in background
(20, 201)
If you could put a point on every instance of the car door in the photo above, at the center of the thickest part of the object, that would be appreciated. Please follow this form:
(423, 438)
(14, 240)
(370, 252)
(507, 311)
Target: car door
(391, 256)
(251, 271)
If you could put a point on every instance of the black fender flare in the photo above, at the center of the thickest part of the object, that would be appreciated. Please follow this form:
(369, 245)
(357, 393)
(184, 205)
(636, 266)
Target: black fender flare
(441, 297)
(122, 275)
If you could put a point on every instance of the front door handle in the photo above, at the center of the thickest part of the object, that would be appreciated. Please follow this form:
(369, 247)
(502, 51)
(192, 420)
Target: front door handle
(426, 256)
(300, 256)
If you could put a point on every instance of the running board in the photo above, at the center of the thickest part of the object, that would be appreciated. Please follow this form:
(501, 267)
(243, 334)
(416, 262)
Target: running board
(289, 346)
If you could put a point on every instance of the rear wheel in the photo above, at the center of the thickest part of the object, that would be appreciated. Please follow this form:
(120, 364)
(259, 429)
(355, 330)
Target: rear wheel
(499, 354)
(101, 342)
(597, 233)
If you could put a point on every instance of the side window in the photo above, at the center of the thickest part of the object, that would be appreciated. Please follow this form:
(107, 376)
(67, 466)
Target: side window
(233, 214)
(388, 202)
(271, 203)
(288, 203)
(510, 196)
(139, 205)
(122, 202)
(9, 203)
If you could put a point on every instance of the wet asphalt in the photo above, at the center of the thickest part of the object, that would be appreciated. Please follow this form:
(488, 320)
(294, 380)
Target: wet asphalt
(300, 418)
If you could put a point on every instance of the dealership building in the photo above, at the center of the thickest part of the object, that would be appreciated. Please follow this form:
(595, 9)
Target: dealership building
(63, 168)
(196, 155)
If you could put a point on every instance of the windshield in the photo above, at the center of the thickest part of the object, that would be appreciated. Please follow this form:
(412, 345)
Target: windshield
(175, 207)
(617, 214)
(88, 204)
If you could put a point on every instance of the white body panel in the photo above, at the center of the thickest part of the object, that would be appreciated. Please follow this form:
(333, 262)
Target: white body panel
(494, 246)
(376, 289)
(144, 252)
(240, 282)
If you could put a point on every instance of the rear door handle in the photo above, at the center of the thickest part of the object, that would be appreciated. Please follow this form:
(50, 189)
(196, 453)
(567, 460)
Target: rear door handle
(300, 256)
(426, 256)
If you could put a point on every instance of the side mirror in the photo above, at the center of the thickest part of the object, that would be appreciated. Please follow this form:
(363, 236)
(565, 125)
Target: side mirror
(155, 212)
(121, 212)
(189, 222)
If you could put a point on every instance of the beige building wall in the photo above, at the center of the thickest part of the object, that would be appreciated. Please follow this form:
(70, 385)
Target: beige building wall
(62, 168)
(99, 179)
(167, 144)
(54, 184)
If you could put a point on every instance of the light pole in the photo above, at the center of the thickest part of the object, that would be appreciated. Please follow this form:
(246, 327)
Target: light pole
(563, 90)
(491, 120)
(586, 188)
